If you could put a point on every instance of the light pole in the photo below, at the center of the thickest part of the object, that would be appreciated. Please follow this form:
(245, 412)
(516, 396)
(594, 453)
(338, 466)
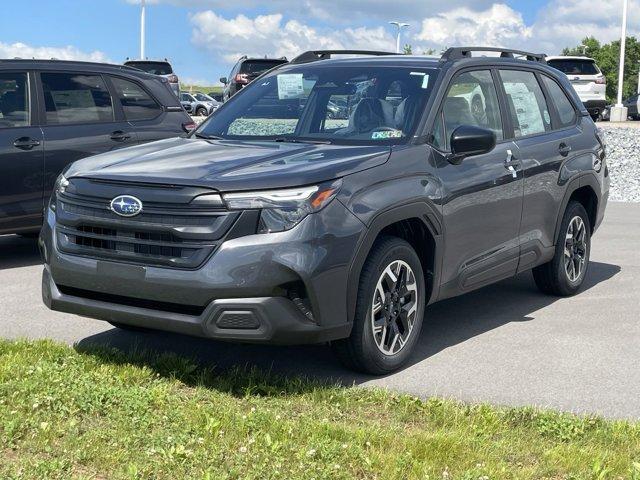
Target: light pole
(619, 112)
(142, 15)
(399, 25)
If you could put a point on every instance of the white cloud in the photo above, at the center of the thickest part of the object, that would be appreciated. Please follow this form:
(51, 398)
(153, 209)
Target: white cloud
(271, 35)
(69, 52)
(499, 25)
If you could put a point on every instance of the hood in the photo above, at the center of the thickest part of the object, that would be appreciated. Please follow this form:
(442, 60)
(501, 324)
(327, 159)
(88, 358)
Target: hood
(228, 165)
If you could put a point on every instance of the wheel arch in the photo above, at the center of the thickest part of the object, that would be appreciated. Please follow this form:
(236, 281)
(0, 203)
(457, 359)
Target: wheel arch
(418, 224)
(583, 189)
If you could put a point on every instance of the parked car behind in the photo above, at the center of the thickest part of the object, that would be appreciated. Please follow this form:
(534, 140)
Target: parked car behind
(308, 229)
(55, 112)
(587, 79)
(198, 104)
(633, 106)
(158, 67)
(217, 96)
(245, 71)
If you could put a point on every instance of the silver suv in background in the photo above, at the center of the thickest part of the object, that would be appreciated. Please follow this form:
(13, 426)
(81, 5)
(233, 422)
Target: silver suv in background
(158, 67)
(198, 103)
(587, 79)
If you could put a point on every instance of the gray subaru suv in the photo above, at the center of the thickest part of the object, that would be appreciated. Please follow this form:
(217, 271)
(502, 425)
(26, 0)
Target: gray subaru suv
(276, 222)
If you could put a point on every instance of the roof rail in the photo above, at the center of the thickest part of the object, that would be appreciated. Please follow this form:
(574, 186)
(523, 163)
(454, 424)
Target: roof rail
(457, 53)
(315, 55)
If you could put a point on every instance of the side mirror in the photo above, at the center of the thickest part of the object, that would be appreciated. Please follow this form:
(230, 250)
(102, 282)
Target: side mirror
(224, 80)
(469, 140)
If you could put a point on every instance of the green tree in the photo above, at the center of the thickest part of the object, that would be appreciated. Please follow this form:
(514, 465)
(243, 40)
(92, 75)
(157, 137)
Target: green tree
(407, 50)
(607, 57)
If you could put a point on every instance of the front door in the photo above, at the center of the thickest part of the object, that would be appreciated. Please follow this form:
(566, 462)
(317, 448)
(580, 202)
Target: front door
(482, 197)
(21, 156)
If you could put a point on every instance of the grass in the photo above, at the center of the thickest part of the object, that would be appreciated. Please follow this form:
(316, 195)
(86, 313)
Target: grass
(104, 414)
(200, 88)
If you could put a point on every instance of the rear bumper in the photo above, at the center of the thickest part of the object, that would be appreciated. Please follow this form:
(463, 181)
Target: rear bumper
(595, 107)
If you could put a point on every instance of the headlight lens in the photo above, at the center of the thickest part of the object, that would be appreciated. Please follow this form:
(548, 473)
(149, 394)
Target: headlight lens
(283, 209)
(61, 184)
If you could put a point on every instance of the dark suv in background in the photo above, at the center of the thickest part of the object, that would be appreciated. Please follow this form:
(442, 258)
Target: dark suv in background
(442, 176)
(55, 112)
(245, 71)
(158, 67)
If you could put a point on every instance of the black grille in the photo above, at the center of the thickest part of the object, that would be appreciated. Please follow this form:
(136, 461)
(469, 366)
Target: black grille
(165, 234)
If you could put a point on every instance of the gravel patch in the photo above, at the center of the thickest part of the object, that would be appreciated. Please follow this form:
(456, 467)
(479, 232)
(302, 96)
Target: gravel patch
(623, 159)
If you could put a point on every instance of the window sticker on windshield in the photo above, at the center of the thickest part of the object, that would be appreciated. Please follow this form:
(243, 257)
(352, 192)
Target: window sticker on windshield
(425, 78)
(385, 135)
(290, 85)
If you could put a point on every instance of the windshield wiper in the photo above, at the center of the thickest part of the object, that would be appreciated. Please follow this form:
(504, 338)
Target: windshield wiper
(298, 140)
(207, 137)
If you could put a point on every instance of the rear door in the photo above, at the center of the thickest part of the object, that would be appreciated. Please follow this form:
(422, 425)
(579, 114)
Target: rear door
(144, 114)
(79, 120)
(482, 197)
(547, 136)
(21, 154)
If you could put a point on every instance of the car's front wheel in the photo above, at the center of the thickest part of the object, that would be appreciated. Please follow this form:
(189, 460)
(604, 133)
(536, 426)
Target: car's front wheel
(389, 309)
(566, 271)
(201, 112)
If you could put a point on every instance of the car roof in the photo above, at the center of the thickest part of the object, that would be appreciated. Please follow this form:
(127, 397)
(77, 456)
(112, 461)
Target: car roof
(147, 61)
(53, 64)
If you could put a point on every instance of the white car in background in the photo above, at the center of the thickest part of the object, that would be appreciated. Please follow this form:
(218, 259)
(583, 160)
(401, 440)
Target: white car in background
(587, 80)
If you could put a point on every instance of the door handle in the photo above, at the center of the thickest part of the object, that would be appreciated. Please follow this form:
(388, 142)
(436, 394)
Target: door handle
(564, 149)
(511, 163)
(26, 143)
(120, 136)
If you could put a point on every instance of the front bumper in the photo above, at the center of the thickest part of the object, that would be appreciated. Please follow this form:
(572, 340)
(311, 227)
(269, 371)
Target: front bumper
(240, 293)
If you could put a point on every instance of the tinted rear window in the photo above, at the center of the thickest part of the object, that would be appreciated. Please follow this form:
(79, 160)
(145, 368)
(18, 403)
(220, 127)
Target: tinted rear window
(155, 68)
(575, 67)
(259, 66)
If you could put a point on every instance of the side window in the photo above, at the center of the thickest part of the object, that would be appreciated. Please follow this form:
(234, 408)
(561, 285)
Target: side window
(472, 99)
(527, 105)
(136, 103)
(14, 100)
(566, 112)
(75, 98)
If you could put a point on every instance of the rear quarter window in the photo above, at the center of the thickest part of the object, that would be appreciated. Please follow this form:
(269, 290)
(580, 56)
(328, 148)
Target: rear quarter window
(136, 103)
(566, 112)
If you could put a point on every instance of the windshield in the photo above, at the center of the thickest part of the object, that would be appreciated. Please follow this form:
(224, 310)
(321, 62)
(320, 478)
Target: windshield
(337, 104)
(155, 68)
(256, 67)
(575, 67)
(203, 98)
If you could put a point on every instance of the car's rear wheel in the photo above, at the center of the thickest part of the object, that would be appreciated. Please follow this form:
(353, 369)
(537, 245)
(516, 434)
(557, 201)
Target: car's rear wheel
(389, 309)
(201, 112)
(566, 272)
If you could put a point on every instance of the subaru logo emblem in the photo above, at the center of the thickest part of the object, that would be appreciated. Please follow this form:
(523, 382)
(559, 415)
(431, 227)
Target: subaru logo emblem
(126, 206)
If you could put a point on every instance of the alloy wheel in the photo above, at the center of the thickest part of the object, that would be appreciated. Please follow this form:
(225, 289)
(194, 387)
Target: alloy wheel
(394, 307)
(575, 249)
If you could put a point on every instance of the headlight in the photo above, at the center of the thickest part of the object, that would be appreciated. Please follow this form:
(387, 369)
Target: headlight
(283, 209)
(61, 184)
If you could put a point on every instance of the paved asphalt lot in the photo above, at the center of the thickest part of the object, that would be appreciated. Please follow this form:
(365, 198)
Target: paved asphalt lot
(504, 344)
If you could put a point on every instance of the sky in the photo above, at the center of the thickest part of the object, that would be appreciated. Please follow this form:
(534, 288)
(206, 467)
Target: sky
(204, 38)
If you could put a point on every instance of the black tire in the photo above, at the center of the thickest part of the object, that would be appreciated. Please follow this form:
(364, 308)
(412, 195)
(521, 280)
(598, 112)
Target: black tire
(553, 277)
(201, 112)
(130, 328)
(29, 235)
(360, 350)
